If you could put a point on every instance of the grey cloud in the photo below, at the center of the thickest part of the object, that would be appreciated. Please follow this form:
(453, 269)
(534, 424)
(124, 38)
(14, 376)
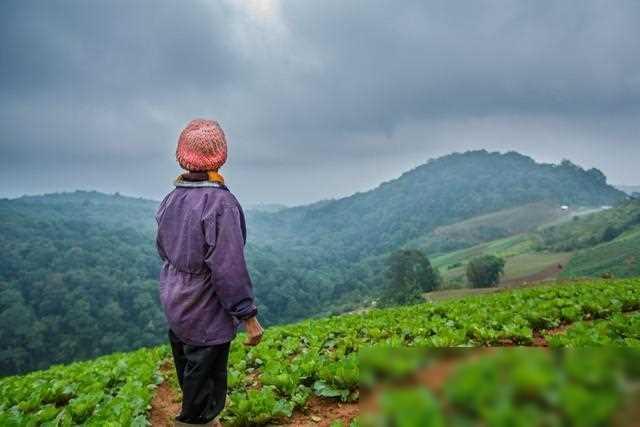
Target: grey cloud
(445, 58)
(322, 98)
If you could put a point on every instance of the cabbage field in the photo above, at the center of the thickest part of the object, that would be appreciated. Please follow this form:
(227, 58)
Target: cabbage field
(322, 358)
(112, 390)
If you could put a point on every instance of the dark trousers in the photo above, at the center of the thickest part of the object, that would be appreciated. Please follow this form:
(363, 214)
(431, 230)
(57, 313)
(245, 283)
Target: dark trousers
(202, 374)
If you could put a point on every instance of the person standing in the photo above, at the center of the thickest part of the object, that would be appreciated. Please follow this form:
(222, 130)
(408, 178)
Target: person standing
(205, 288)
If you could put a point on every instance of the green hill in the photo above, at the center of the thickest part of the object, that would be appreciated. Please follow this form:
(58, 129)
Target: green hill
(90, 207)
(579, 244)
(523, 262)
(486, 228)
(441, 192)
(77, 278)
(607, 242)
(338, 247)
(590, 230)
(619, 258)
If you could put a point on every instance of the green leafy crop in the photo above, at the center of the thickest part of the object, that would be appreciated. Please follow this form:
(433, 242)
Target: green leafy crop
(114, 389)
(333, 357)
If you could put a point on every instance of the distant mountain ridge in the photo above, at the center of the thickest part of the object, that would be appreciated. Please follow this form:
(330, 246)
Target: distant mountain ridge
(89, 206)
(443, 191)
(265, 207)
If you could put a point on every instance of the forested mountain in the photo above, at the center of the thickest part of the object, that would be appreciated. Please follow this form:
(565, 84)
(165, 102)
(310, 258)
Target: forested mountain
(78, 270)
(77, 278)
(442, 191)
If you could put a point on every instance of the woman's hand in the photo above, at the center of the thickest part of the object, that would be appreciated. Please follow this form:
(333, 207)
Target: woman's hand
(254, 331)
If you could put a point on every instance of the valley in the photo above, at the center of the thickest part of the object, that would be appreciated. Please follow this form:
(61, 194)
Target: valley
(80, 265)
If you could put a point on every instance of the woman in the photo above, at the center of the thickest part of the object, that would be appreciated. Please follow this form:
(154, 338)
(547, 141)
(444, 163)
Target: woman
(205, 287)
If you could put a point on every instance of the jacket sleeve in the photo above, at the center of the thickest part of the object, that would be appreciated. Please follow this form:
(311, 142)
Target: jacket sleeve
(225, 237)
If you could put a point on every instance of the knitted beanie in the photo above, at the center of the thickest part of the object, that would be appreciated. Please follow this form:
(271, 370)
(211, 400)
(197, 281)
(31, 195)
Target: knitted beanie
(202, 146)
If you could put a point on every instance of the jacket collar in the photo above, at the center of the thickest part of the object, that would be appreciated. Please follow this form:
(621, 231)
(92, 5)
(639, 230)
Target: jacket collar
(195, 184)
(200, 179)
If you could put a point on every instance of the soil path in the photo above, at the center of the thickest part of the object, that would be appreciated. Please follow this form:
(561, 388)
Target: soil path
(321, 412)
(165, 404)
(541, 278)
(549, 273)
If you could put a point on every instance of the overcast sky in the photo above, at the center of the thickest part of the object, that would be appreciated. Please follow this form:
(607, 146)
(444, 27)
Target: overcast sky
(318, 98)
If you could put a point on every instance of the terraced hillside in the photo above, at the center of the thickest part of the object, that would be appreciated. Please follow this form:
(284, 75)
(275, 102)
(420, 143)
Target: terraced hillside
(619, 258)
(581, 243)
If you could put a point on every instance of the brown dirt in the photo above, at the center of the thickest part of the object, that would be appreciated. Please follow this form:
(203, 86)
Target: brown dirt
(541, 278)
(165, 404)
(321, 412)
(539, 339)
(254, 380)
(548, 273)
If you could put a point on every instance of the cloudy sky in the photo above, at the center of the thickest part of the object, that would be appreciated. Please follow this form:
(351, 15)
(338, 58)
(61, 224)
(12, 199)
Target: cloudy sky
(318, 98)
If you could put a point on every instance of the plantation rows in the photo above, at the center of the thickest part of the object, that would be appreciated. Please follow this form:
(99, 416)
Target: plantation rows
(619, 330)
(113, 390)
(320, 356)
(268, 382)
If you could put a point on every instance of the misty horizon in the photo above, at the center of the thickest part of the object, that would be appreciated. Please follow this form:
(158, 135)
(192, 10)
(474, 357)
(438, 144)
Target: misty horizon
(256, 204)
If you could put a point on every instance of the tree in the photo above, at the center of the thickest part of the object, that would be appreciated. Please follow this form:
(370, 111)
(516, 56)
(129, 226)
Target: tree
(409, 273)
(485, 271)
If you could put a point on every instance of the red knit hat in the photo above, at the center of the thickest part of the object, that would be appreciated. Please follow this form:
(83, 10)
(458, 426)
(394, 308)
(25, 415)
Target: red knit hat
(202, 146)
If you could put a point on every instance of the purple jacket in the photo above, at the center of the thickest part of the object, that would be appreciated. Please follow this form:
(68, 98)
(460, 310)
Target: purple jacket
(205, 288)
